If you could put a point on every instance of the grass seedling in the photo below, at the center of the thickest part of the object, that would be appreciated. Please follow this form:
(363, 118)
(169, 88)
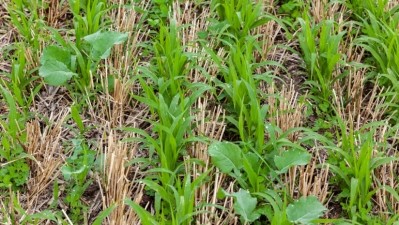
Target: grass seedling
(164, 93)
(170, 66)
(28, 25)
(240, 87)
(320, 48)
(169, 98)
(16, 214)
(360, 8)
(14, 170)
(87, 17)
(21, 80)
(381, 40)
(174, 204)
(354, 162)
(240, 17)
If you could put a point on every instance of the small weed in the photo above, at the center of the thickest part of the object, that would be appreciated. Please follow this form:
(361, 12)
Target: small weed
(76, 171)
(60, 64)
(14, 169)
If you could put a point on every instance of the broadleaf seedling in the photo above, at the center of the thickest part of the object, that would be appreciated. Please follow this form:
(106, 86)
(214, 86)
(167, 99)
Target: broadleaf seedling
(305, 210)
(58, 64)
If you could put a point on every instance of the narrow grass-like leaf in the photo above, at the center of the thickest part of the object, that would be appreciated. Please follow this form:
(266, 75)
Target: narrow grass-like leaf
(145, 217)
(103, 214)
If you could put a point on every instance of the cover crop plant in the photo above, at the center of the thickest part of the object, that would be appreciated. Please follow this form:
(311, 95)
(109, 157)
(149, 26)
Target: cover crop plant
(320, 48)
(169, 97)
(199, 112)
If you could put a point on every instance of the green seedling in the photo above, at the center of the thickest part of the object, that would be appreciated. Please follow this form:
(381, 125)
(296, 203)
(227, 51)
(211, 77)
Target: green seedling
(60, 64)
(169, 97)
(321, 57)
(381, 40)
(18, 215)
(159, 12)
(28, 24)
(361, 7)
(292, 8)
(170, 104)
(172, 129)
(75, 171)
(250, 169)
(21, 80)
(239, 86)
(239, 17)
(171, 63)
(274, 206)
(245, 206)
(354, 163)
(90, 21)
(77, 118)
(305, 210)
(14, 170)
(290, 158)
(174, 204)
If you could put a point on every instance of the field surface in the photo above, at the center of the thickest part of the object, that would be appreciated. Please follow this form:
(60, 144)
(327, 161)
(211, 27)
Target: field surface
(214, 112)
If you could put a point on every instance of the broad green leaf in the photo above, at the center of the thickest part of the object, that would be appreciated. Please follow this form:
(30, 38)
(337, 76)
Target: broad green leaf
(55, 72)
(226, 156)
(291, 158)
(305, 210)
(245, 206)
(102, 42)
(68, 171)
(56, 53)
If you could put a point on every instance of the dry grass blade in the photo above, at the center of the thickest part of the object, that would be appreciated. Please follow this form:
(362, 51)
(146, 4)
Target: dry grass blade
(46, 147)
(119, 181)
(287, 111)
(6, 37)
(208, 125)
(313, 181)
(385, 176)
(323, 10)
